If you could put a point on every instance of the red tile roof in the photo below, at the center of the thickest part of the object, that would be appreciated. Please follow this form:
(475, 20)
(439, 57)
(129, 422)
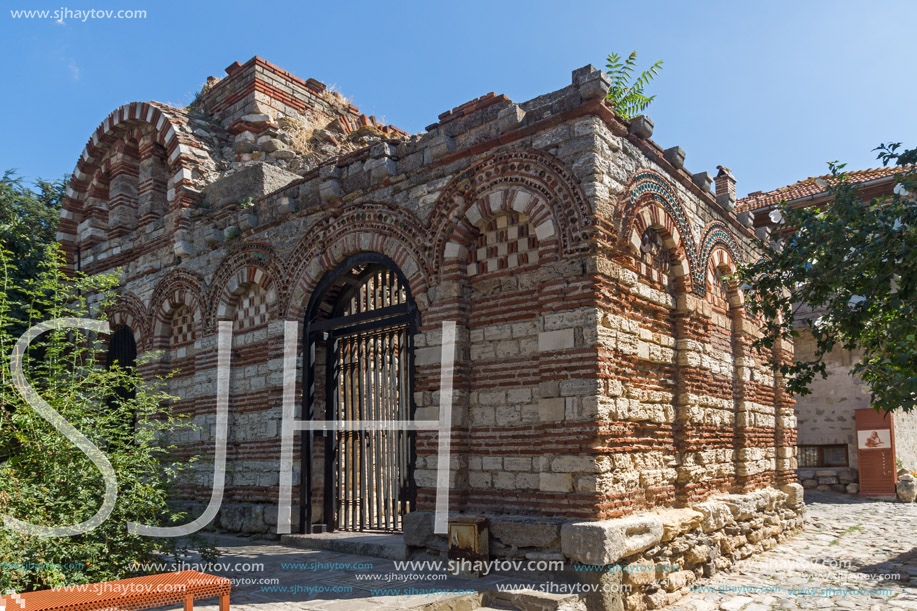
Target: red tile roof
(804, 188)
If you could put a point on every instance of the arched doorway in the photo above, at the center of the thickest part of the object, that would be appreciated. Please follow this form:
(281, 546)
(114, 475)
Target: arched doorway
(359, 333)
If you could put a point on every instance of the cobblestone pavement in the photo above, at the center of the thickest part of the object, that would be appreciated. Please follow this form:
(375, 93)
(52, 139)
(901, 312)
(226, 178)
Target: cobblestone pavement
(852, 554)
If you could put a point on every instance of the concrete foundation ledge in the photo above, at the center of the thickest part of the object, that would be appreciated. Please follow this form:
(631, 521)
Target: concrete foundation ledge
(660, 554)
(604, 542)
(725, 510)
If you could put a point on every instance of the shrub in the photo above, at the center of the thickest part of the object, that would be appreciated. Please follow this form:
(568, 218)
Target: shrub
(47, 480)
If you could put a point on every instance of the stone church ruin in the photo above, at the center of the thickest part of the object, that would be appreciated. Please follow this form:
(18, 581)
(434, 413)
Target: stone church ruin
(607, 408)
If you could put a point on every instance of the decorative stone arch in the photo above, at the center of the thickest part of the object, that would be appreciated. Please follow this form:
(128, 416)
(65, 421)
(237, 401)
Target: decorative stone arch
(718, 234)
(554, 191)
(178, 288)
(721, 258)
(721, 261)
(167, 127)
(719, 249)
(366, 227)
(650, 202)
(129, 311)
(500, 200)
(254, 263)
(652, 216)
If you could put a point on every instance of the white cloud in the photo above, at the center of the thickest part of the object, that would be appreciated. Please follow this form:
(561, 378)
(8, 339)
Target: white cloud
(74, 70)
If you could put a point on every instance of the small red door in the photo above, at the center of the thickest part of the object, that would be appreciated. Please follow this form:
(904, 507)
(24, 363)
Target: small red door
(876, 452)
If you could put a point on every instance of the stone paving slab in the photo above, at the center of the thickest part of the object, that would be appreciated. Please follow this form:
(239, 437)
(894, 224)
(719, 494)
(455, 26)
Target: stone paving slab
(387, 546)
(305, 580)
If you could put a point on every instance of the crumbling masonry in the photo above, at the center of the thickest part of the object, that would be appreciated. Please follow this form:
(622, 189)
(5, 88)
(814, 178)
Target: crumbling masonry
(608, 406)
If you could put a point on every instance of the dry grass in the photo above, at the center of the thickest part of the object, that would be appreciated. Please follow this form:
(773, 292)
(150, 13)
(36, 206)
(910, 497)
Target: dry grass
(300, 131)
(336, 98)
(365, 131)
(312, 146)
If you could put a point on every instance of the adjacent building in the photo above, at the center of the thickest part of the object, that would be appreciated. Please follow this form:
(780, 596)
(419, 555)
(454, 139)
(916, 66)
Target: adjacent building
(829, 441)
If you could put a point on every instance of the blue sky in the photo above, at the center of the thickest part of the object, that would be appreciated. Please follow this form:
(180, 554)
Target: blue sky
(772, 90)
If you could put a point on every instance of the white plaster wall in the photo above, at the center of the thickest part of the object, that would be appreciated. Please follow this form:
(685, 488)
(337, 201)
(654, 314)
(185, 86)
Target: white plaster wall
(827, 415)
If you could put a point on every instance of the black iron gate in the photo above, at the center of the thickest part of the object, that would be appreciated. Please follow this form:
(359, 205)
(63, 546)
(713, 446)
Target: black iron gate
(367, 334)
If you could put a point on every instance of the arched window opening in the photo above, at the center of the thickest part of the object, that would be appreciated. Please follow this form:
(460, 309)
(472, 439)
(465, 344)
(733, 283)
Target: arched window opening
(655, 256)
(122, 349)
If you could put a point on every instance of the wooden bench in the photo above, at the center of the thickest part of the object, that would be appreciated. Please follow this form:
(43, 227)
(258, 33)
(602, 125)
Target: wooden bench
(127, 594)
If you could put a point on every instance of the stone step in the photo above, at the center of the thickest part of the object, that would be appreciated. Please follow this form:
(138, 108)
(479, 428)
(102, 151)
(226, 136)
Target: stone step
(533, 600)
(527, 600)
(377, 545)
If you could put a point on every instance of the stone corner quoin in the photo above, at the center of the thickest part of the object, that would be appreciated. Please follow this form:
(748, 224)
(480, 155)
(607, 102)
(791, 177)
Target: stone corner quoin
(608, 407)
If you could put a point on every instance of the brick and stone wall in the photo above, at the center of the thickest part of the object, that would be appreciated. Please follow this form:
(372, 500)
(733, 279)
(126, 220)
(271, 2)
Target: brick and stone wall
(604, 369)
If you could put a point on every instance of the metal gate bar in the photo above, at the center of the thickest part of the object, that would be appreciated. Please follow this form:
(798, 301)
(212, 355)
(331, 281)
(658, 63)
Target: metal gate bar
(369, 380)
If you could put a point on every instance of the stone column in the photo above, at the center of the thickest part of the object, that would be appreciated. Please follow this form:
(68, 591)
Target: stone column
(785, 428)
(446, 301)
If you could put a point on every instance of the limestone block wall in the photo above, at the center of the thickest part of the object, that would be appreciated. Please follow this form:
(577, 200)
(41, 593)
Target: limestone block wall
(645, 560)
(839, 479)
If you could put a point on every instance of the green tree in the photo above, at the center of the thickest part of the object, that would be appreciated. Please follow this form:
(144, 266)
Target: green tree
(44, 478)
(853, 260)
(626, 95)
(28, 223)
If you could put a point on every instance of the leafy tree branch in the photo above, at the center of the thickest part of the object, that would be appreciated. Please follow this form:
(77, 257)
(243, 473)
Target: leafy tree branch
(852, 263)
(628, 95)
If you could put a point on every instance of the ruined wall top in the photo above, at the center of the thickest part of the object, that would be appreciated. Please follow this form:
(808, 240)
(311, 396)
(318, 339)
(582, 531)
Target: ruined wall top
(260, 144)
(260, 87)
